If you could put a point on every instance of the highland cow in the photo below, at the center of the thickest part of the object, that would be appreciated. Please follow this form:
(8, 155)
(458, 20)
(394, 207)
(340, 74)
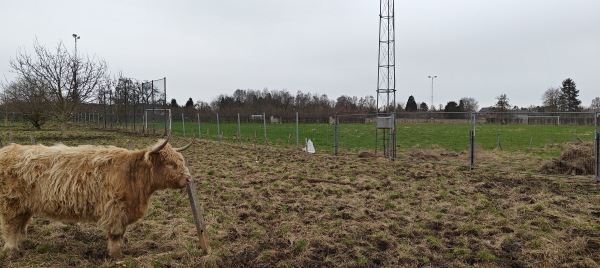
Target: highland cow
(107, 185)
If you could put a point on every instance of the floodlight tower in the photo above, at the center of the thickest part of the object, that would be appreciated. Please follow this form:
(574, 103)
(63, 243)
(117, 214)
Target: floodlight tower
(386, 80)
(385, 136)
(75, 64)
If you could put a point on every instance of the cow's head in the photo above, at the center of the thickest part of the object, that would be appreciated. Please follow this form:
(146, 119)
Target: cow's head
(167, 166)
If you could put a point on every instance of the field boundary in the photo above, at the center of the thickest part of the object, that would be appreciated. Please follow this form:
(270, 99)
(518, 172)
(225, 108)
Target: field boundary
(495, 141)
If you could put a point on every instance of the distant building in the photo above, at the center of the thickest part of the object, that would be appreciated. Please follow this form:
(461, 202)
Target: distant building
(487, 109)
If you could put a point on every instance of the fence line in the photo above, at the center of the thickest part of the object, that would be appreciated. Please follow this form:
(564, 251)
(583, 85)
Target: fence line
(516, 141)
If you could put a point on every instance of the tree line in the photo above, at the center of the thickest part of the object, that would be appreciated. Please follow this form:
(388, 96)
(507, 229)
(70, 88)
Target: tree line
(282, 102)
(554, 99)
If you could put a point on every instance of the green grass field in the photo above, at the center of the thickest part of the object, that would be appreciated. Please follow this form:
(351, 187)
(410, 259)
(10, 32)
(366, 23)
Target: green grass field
(355, 137)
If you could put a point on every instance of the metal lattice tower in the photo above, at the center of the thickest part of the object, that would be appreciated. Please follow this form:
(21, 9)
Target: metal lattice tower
(386, 80)
(385, 136)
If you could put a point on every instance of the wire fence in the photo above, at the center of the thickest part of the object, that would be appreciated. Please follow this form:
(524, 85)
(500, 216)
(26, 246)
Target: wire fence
(564, 144)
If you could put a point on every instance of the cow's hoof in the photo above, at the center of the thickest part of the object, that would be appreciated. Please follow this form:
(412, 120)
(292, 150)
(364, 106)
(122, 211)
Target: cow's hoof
(12, 254)
(116, 256)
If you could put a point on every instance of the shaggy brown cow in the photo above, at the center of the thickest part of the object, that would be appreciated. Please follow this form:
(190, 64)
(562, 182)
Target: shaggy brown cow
(107, 185)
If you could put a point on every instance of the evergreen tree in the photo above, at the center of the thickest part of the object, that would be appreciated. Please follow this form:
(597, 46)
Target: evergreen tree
(189, 103)
(423, 107)
(451, 106)
(411, 104)
(174, 103)
(568, 101)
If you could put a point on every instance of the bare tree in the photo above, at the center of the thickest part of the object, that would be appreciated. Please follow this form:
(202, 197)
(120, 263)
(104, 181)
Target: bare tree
(69, 79)
(551, 99)
(203, 107)
(595, 104)
(5, 106)
(470, 104)
(366, 104)
(30, 99)
(502, 104)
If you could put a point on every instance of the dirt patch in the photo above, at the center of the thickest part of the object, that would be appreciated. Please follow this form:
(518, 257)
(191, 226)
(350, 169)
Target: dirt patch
(423, 155)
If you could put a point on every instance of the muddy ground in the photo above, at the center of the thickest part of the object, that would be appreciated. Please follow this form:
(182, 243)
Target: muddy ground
(273, 207)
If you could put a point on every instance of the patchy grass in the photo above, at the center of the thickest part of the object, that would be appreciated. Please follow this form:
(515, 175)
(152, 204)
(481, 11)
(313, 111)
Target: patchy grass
(277, 207)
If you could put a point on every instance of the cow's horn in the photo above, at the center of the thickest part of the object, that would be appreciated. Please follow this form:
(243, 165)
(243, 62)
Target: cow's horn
(187, 145)
(159, 147)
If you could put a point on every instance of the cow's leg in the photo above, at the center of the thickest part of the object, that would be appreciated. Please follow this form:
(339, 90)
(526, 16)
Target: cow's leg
(9, 235)
(115, 231)
(23, 220)
(115, 243)
(14, 228)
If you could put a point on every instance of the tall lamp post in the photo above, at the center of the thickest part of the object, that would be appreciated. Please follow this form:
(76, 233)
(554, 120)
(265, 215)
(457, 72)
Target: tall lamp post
(75, 36)
(75, 67)
(432, 77)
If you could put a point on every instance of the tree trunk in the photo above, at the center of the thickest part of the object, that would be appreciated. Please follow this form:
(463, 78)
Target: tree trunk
(63, 129)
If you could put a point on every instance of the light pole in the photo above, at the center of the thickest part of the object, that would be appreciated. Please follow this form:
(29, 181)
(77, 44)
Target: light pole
(110, 101)
(432, 77)
(75, 36)
(75, 67)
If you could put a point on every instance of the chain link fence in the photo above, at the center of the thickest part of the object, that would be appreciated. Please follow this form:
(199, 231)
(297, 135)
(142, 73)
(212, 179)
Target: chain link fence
(563, 144)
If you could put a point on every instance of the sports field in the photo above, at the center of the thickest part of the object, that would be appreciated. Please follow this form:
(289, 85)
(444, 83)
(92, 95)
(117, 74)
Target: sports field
(357, 137)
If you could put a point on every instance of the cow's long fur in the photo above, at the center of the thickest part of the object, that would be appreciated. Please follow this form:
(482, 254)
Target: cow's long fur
(107, 185)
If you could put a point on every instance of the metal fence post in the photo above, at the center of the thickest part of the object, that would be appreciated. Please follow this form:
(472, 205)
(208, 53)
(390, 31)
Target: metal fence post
(472, 141)
(218, 129)
(297, 133)
(199, 132)
(183, 123)
(393, 138)
(597, 136)
(239, 134)
(597, 146)
(597, 157)
(530, 141)
(335, 135)
(499, 145)
(265, 128)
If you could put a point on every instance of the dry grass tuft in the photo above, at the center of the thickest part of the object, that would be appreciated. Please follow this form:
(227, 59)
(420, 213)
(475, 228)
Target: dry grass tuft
(576, 159)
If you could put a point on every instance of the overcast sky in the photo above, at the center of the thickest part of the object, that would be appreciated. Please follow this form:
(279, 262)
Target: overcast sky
(477, 48)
